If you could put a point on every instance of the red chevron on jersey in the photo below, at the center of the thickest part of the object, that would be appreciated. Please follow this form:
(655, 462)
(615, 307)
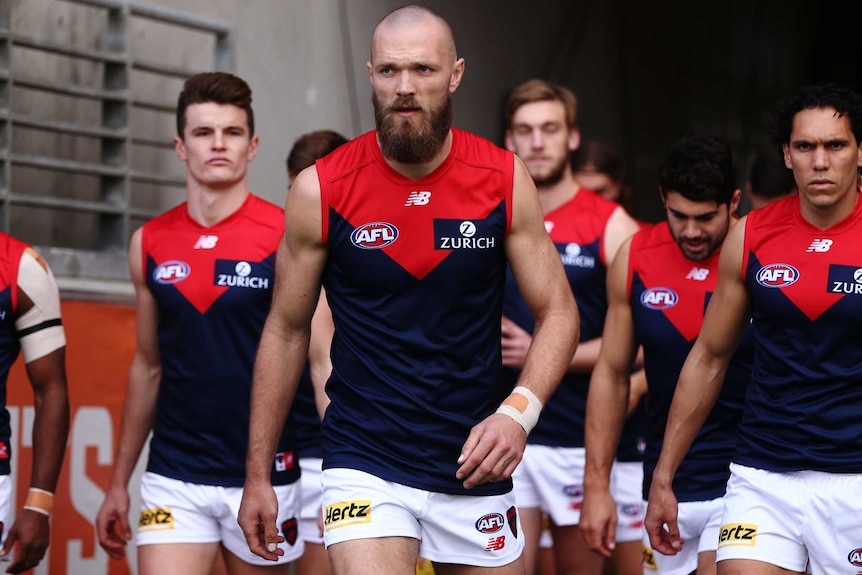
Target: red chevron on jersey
(412, 221)
(202, 263)
(813, 268)
(676, 285)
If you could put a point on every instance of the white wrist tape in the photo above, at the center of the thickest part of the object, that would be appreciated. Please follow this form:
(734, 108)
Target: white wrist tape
(523, 406)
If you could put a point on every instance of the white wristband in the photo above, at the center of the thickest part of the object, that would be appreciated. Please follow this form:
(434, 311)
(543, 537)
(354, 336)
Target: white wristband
(523, 406)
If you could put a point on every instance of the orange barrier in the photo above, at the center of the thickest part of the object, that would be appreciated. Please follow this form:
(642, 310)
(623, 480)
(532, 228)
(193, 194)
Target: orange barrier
(100, 344)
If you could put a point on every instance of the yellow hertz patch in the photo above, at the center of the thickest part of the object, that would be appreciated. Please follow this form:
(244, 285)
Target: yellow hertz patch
(649, 563)
(156, 519)
(346, 513)
(736, 534)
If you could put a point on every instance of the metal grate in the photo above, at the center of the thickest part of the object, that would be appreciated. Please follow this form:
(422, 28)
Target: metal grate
(81, 206)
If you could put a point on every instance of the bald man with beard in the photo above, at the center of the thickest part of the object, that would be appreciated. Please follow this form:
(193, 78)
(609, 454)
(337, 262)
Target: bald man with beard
(410, 228)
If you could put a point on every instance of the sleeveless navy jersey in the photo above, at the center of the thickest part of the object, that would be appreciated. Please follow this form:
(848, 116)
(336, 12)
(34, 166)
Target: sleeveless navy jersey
(804, 408)
(213, 286)
(668, 296)
(577, 229)
(414, 279)
(11, 251)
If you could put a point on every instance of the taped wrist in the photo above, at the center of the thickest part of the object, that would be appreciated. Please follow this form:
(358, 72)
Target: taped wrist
(523, 406)
(40, 501)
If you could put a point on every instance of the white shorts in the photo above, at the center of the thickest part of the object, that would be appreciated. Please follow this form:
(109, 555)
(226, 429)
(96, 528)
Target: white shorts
(174, 511)
(310, 509)
(482, 531)
(552, 479)
(793, 520)
(698, 523)
(627, 490)
(5, 511)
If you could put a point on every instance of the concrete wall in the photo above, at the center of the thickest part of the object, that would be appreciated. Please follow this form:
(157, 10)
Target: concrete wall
(644, 74)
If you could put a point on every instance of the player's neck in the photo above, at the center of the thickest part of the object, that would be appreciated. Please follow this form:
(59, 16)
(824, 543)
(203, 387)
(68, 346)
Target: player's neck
(827, 216)
(208, 207)
(417, 171)
(552, 196)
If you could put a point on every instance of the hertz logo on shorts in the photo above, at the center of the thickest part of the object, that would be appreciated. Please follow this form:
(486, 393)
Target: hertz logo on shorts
(648, 561)
(156, 519)
(346, 513)
(737, 534)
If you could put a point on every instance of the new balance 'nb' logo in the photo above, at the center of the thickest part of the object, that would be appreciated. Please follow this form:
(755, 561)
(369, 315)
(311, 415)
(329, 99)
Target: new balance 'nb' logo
(418, 198)
(819, 245)
(696, 273)
(206, 242)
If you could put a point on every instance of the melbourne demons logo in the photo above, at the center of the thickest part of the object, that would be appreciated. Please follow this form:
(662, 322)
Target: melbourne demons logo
(659, 298)
(777, 275)
(374, 236)
(172, 272)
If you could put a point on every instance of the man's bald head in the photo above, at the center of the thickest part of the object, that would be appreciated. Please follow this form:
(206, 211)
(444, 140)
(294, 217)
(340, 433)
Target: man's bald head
(414, 15)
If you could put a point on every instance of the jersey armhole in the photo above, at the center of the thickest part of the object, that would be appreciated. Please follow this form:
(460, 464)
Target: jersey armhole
(324, 202)
(630, 272)
(510, 191)
(746, 248)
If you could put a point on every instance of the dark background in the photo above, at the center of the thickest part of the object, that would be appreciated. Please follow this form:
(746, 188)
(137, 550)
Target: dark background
(644, 72)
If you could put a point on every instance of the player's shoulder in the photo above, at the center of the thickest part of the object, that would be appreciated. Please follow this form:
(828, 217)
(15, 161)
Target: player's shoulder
(479, 152)
(653, 236)
(778, 211)
(346, 158)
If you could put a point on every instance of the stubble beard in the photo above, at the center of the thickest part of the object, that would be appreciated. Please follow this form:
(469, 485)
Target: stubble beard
(554, 176)
(404, 143)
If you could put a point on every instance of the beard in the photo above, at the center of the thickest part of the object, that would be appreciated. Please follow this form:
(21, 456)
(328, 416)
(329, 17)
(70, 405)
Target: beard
(713, 243)
(555, 173)
(404, 143)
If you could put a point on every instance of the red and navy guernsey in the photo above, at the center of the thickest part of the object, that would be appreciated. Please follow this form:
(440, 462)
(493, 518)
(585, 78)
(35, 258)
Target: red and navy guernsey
(577, 229)
(668, 295)
(804, 408)
(415, 280)
(213, 286)
(11, 251)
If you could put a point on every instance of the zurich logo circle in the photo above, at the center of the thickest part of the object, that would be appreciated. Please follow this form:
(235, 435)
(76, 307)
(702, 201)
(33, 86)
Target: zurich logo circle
(573, 250)
(467, 229)
(243, 269)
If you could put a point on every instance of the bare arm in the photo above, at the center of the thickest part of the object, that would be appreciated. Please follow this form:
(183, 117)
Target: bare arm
(495, 445)
(281, 356)
(700, 381)
(139, 410)
(516, 341)
(46, 371)
(607, 407)
(619, 228)
(322, 331)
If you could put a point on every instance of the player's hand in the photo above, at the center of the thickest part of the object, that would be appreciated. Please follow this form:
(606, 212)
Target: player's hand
(257, 515)
(112, 523)
(492, 451)
(660, 520)
(598, 522)
(516, 341)
(30, 533)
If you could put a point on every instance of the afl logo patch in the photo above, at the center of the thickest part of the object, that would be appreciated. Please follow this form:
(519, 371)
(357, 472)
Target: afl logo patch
(855, 556)
(659, 298)
(490, 523)
(374, 236)
(172, 272)
(777, 275)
